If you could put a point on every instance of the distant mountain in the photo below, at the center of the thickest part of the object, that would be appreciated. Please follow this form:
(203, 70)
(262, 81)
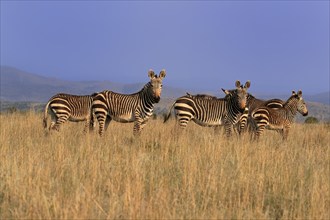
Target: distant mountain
(321, 98)
(17, 85)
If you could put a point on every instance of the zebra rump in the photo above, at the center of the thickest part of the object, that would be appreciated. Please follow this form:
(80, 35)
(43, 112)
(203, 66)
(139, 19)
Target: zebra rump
(67, 107)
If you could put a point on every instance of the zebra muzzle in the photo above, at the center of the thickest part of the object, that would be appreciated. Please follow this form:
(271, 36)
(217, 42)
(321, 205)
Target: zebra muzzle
(157, 99)
(243, 105)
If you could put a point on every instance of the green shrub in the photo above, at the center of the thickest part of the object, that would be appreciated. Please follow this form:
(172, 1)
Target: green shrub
(311, 120)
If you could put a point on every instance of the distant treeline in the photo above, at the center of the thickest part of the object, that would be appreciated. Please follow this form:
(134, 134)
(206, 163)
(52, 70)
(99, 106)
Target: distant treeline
(11, 107)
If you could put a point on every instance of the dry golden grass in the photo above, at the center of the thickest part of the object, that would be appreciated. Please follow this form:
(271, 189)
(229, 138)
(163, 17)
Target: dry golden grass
(197, 175)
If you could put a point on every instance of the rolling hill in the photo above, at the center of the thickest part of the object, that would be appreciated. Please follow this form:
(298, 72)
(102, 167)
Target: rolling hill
(20, 86)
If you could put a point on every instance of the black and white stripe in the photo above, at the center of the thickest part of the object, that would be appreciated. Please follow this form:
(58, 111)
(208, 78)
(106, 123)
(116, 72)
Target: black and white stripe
(207, 110)
(66, 107)
(137, 107)
(279, 119)
(252, 103)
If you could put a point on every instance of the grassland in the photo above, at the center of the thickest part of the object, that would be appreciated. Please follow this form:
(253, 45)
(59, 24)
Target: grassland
(198, 175)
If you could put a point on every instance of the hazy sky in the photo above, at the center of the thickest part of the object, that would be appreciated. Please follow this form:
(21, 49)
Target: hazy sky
(279, 45)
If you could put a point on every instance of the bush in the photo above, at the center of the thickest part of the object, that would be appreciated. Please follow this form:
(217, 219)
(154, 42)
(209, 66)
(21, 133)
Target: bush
(12, 110)
(311, 120)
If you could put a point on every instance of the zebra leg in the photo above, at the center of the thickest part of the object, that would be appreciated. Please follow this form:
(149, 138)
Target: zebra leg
(139, 124)
(183, 121)
(60, 120)
(144, 122)
(53, 120)
(261, 120)
(228, 129)
(107, 122)
(91, 122)
(285, 133)
(251, 128)
(137, 128)
(51, 125)
(101, 118)
(260, 129)
(217, 129)
(242, 123)
(86, 126)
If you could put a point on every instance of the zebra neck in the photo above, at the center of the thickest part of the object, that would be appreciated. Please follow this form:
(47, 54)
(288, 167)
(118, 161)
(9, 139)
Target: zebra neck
(253, 102)
(236, 109)
(250, 98)
(291, 108)
(147, 99)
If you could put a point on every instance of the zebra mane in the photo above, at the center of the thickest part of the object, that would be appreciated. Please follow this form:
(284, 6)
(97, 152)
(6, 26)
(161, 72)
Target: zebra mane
(294, 96)
(146, 86)
(249, 95)
(94, 94)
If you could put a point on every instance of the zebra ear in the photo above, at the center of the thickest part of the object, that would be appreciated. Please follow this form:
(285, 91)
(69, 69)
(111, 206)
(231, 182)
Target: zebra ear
(237, 84)
(225, 91)
(162, 73)
(247, 84)
(299, 93)
(151, 74)
(293, 92)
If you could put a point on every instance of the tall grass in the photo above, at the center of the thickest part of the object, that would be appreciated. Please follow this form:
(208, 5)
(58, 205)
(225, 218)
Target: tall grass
(198, 174)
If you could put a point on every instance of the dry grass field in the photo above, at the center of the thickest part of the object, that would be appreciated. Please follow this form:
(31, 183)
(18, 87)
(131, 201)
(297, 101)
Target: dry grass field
(197, 175)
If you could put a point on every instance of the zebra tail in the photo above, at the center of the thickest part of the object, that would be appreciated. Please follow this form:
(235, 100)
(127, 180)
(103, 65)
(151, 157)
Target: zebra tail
(46, 115)
(169, 114)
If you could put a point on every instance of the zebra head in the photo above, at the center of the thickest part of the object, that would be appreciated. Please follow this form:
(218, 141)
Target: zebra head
(301, 105)
(156, 84)
(239, 95)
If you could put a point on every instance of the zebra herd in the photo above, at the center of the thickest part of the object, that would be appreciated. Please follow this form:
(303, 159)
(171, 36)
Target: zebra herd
(237, 110)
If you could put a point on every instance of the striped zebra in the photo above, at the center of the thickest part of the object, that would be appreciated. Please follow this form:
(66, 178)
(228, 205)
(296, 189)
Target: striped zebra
(279, 119)
(252, 103)
(207, 110)
(137, 107)
(66, 107)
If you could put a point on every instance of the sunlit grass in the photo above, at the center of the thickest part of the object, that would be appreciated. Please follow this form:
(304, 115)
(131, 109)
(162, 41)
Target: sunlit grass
(199, 174)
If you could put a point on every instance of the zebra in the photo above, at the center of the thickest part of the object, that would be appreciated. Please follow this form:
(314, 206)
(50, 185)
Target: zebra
(207, 110)
(66, 107)
(124, 108)
(243, 118)
(252, 103)
(279, 119)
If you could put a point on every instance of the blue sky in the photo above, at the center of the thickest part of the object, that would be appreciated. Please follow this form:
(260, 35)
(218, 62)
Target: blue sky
(279, 45)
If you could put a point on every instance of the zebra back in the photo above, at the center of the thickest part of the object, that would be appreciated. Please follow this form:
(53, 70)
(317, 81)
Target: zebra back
(253, 102)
